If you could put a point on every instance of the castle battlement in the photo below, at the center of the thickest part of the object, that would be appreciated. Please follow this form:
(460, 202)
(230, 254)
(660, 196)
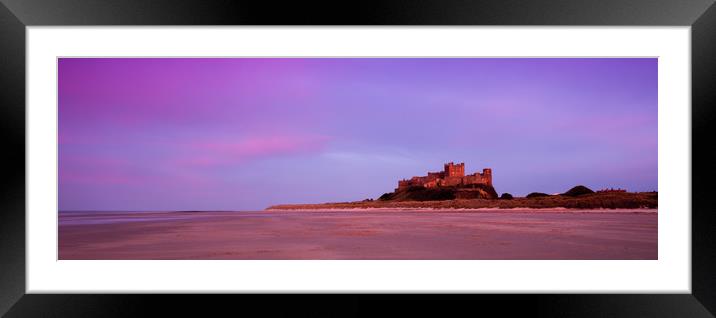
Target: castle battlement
(451, 176)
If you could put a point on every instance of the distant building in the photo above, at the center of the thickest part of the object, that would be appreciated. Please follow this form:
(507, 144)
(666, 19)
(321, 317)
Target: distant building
(452, 175)
(611, 190)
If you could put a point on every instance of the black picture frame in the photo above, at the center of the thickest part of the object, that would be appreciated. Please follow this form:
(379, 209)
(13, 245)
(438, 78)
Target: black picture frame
(700, 15)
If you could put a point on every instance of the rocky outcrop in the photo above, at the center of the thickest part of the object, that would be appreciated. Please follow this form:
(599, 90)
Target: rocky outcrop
(419, 193)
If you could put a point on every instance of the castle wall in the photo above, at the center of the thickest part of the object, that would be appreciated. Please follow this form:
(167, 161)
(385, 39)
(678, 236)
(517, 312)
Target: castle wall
(452, 181)
(431, 184)
(438, 175)
(479, 178)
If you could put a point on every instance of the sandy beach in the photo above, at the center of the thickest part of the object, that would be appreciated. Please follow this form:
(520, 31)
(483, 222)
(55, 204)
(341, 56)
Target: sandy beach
(406, 235)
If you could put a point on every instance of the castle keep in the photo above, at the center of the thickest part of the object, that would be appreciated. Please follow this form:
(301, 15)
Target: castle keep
(452, 175)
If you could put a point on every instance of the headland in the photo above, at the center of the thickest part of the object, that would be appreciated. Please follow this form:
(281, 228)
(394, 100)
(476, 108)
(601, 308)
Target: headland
(452, 189)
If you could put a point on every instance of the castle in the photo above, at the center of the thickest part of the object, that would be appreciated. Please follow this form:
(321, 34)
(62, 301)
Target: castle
(452, 175)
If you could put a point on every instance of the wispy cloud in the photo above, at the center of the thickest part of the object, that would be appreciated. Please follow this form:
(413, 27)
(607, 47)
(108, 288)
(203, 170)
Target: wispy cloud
(371, 157)
(218, 153)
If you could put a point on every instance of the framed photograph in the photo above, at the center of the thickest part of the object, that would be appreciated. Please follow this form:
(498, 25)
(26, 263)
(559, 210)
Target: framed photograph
(548, 153)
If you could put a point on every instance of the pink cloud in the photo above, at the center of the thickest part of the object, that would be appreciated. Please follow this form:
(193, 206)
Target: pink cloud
(115, 171)
(69, 138)
(97, 170)
(100, 178)
(613, 129)
(213, 152)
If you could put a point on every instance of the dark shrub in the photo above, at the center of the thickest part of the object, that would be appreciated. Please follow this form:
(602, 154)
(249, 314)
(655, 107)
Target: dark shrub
(432, 194)
(415, 189)
(420, 193)
(506, 196)
(537, 195)
(577, 191)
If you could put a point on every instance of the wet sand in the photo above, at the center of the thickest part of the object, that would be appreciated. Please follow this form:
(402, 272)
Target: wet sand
(406, 235)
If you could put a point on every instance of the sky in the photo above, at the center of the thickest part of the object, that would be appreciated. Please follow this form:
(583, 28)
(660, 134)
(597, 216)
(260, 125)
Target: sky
(246, 133)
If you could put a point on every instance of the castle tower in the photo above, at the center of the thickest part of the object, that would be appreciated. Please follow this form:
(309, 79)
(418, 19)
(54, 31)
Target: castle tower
(454, 170)
(487, 175)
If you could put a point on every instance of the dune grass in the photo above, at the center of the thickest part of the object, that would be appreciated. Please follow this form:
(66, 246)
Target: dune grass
(587, 201)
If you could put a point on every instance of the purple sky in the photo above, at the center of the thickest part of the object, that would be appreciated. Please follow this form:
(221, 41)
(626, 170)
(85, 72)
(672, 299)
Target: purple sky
(243, 134)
